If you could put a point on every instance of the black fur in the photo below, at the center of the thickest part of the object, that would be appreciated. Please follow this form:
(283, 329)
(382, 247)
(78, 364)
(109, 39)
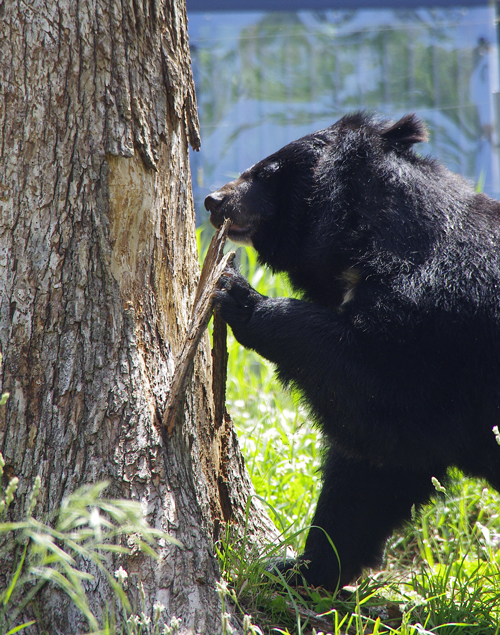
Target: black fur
(396, 344)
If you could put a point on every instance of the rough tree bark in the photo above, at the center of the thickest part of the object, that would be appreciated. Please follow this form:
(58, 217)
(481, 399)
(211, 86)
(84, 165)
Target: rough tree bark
(98, 273)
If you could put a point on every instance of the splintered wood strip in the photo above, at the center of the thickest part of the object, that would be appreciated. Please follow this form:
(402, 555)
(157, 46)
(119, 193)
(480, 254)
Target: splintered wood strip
(214, 256)
(213, 267)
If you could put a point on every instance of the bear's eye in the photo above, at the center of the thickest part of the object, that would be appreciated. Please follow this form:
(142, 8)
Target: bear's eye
(272, 167)
(266, 171)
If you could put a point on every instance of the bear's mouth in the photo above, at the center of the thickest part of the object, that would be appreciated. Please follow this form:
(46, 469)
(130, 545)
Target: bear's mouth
(240, 234)
(237, 233)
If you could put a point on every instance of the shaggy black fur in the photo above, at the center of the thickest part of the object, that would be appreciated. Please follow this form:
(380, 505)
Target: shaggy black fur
(396, 342)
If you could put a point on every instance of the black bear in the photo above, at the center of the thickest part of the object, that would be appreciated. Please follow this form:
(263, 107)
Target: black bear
(396, 342)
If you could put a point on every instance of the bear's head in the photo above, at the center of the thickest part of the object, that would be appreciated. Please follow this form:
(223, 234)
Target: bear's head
(313, 205)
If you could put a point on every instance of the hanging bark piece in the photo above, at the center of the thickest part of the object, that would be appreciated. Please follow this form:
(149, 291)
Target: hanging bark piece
(220, 357)
(213, 267)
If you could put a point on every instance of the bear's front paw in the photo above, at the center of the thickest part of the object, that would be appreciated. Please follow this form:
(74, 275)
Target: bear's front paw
(234, 298)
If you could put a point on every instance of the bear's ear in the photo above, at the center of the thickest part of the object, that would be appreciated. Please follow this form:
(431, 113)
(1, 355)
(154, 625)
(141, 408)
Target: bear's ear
(408, 130)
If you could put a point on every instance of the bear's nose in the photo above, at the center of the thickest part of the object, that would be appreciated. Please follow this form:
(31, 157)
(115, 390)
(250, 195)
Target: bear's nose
(214, 201)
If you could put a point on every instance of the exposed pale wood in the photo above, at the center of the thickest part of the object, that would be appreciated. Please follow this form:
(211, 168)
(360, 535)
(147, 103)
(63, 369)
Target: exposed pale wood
(98, 272)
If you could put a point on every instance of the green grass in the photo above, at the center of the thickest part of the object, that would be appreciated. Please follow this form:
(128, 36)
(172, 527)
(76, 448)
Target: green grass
(441, 572)
(89, 528)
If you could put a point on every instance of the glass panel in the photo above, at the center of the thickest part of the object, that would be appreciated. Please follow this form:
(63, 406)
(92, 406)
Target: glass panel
(264, 79)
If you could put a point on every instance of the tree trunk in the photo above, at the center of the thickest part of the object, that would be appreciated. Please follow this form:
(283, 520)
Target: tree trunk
(98, 274)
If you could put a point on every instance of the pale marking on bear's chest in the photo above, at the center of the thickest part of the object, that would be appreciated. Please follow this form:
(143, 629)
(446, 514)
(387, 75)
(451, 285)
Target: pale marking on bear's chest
(350, 277)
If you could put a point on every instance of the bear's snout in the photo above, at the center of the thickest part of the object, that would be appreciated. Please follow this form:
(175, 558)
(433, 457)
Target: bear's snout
(214, 201)
(214, 205)
(217, 204)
